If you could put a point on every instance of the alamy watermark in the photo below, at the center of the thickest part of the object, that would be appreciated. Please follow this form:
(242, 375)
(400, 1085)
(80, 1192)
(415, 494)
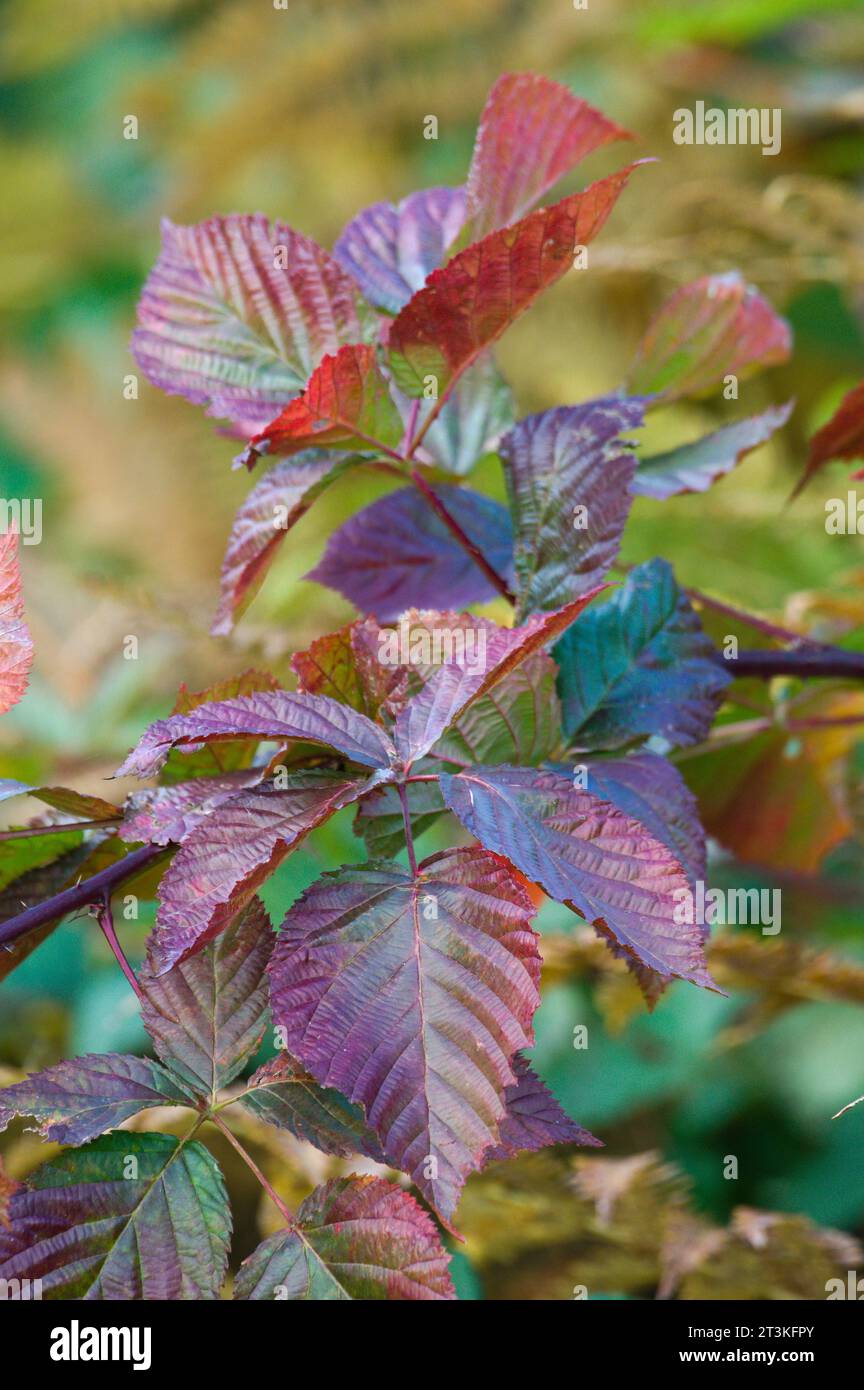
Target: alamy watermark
(744, 907)
(22, 515)
(410, 644)
(717, 125)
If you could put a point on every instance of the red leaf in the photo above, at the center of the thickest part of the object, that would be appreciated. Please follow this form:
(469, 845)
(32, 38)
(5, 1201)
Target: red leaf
(16, 646)
(532, 132)
(346, 405)
(471, 301)
(841, 438)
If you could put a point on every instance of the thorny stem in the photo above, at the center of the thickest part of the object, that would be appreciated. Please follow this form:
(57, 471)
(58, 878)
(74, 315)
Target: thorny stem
(106, 922)
(461, 536)
(85, 894)
(251, 1164)
(409, 836)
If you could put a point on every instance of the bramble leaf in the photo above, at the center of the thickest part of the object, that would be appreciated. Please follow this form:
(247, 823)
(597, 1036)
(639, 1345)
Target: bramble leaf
(694, 467)
(232, 852)
(639, 665)
(534, 1118)
(346, 666)
(532, 132)
(64, 799)
(130, 1217)
(274, 505)
(389, 250)
(284, 1094)
(16, 644)
(470, 422)
(449, 692)
(346, 404)
(465, 306)
(584, 852)
(207, 1015)
(652, 791)
(410, 995)
(396, 552)
(166, 815)
(238, 312)
(714, 327)
(354, 1238)
(78, 1099)
(568, 478)
(273, 715)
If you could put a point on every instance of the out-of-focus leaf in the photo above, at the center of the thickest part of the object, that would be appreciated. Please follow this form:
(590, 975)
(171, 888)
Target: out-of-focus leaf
(77, 1100)
(346, 666)
(284, 1094)
(390, 249)
(237, 313)
(694, 467)
(207, 1015)
(469, 303)
(568, 478)
(232, 852)
(16, 644)
(274, 505)
(354, 1238)
(346, 405)
(396, 553)
(534, 1118)
(532, 132)
(639, 665)
(130, 1217)
(777, 799)
(228, 757)
(586, 853)
(841, 438)
(274, 715)
(714, 327)
(410, 995)
(72, 803)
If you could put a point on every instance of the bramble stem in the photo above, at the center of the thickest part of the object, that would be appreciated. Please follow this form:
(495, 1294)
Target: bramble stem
(813, 661)
(461, 536)
(253, 1166)
(409, 834)
(106, 922)
(85, 894)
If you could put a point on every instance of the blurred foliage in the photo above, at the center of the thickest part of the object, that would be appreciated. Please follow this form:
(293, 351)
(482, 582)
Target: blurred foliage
(308, 113)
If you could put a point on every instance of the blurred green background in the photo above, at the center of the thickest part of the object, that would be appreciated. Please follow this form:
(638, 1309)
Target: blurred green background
(309, 113)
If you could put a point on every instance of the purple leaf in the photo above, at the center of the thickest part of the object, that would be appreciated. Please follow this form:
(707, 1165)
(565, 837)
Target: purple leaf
(694, 467)
(282, 1093)
(389, 250)
(207, 1015)
(218, 758)
(131, 1217)
(534, 1118)
(531, 133)
(652, 791)
(396, 554)
(273, 507)
(237, 313)
(225, 860)
(346, 665)
(456, 686)
(79, 1099)
(584, 852)
(274, 715)
(410, 995)
(640, 665)
(354, 1238)
(568, 477)
(166, 815)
